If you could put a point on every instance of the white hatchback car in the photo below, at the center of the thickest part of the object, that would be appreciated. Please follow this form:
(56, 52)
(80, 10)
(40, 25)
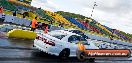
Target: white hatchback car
(60, 43)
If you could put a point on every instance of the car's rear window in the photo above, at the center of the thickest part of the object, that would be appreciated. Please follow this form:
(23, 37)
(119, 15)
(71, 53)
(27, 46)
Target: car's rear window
(59, 36)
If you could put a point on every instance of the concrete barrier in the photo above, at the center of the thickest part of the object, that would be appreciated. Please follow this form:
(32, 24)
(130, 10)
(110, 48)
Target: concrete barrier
(0, 15)
(26, 22)
(109, 41)
(9, 18)
(16, 20)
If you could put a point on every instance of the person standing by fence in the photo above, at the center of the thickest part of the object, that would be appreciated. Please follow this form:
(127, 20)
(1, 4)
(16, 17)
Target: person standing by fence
(1, 9)
(14, 13)
(45, 27)
(3, 15)
(34, 24)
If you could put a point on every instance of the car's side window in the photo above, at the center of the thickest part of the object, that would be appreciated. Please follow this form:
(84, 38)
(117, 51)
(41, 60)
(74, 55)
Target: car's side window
(73, 39)
(76, 31)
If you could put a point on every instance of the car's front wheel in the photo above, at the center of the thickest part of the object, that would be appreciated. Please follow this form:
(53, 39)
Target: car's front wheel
(64, 54)
(80, 55)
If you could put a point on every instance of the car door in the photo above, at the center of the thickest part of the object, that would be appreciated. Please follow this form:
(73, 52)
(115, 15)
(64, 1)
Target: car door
(73, 40)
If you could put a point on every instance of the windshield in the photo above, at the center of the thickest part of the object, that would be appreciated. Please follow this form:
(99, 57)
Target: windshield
(81, 38)
(76, 39)
(76, 31)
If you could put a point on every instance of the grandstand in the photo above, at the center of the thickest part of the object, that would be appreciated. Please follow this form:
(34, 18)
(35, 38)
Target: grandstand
(69, 20)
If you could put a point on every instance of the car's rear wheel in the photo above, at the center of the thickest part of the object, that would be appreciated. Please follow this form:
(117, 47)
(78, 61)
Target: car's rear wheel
(64, 54)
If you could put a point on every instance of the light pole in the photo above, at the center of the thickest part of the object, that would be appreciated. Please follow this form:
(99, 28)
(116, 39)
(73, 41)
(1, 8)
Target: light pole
(93, 8)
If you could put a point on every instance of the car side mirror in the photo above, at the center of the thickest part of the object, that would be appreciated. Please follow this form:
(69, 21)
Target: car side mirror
(77, 43)
(88, 43)
(71, 42)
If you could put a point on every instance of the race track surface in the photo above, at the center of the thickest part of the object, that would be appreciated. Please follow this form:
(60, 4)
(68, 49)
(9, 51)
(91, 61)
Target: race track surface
(21, 51)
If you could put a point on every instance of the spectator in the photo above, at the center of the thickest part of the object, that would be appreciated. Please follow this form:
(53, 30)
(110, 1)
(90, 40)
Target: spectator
(25, 14)
(3, 15)
(130, 40)
(1, 9)
(51, 22)
(34, 24)
(111, 37)
(61, 24)
(14, 13)
(39, 25)
(46, 29)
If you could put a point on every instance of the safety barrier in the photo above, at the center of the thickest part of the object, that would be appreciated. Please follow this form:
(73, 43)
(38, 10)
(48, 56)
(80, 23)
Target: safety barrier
(16, 20)
(9, 18)
(108, 40)
(6, 28)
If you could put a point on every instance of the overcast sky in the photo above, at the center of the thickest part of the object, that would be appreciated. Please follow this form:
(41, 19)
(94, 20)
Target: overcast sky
(115, 14)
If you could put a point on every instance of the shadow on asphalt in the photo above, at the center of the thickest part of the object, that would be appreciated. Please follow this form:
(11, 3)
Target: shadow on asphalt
(52, 58)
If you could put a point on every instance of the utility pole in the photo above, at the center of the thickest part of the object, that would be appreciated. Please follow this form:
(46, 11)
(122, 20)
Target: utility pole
(93, 8)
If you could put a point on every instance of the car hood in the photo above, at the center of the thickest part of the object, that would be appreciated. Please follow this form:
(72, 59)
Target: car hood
(91, 45)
